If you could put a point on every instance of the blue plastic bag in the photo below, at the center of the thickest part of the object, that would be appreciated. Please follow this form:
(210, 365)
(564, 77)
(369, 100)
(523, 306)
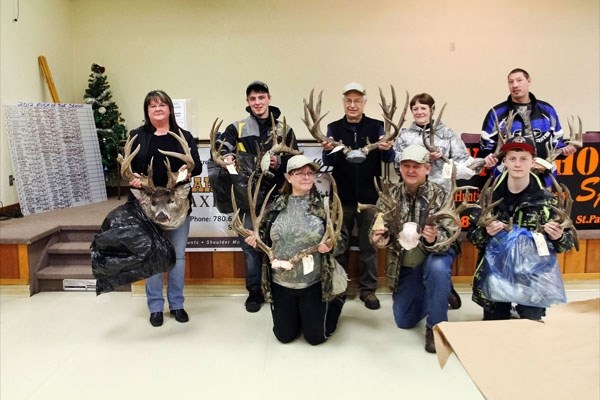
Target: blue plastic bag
(513, 271)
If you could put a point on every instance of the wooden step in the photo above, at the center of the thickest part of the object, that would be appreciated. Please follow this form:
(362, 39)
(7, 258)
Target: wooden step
(50, 279)
(66, 272)
(70, 248)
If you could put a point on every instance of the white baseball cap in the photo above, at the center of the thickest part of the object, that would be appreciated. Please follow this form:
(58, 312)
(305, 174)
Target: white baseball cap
(356, 87)
(300, 161)
(415, 153)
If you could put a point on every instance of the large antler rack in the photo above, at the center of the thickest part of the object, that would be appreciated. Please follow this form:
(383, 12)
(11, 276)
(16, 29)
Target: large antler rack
(146, 181)
(575, 140)
(451, 212)
(238, 226)
(388, 115)
(563, 211)
(312, 119)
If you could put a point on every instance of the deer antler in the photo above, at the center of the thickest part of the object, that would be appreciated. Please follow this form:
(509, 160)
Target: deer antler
(450, 211)
(575, 140)
(388, 115)
(333, 225)
(126, 159)
(563, 211)
(215, 152)
(278, 147)
(503, 134)
(238, 226)
(186, 157)
(432, 130)
(387, 208)
(312, 119)
(485, 203)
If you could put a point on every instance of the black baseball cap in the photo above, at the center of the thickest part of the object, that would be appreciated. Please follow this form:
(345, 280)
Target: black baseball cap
(257, 86)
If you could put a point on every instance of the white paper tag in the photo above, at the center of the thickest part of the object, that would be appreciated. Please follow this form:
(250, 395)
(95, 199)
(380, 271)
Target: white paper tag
(447, 170)
(540, 243)
(308, 264)
(182, 175)
(231, 169)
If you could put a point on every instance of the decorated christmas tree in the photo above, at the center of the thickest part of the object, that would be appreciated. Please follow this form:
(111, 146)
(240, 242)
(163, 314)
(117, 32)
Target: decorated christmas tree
(109, 123)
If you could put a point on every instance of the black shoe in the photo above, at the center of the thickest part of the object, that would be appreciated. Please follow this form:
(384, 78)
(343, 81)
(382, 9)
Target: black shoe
(156, 318)
(180, 315)
(454, 300)
(429, 341)
(371, 301)
(254, 301)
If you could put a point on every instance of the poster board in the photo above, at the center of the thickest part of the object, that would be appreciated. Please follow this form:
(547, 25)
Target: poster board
(55, 155)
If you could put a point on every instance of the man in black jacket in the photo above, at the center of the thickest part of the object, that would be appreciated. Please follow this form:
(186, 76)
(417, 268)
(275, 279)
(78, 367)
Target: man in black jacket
(250, 136)
(354, 172)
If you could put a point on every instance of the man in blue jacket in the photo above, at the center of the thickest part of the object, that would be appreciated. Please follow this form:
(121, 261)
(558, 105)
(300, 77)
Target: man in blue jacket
(534, 118)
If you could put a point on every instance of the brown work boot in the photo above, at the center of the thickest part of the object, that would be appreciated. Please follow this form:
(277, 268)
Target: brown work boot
(371, 301)
(454, 300)
(429, 342)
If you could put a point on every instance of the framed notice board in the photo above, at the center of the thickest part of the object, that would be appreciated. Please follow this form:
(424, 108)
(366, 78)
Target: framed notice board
(55, 155)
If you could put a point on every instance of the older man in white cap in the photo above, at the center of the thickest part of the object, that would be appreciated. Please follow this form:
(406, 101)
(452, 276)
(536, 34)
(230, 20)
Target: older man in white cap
(419, 273)
(355, 177)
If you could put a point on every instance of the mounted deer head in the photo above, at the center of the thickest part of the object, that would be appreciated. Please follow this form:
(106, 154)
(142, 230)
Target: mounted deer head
(166, 206)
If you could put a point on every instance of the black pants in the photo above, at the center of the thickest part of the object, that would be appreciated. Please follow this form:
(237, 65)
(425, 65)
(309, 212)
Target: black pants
(298, 311)
(500, 311)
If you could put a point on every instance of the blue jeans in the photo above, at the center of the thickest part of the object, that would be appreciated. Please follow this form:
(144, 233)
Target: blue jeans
(175, 277)
(253, 260)
(423, 291)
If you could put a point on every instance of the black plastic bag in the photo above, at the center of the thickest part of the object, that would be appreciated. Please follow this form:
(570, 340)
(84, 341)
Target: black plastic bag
(129, 248)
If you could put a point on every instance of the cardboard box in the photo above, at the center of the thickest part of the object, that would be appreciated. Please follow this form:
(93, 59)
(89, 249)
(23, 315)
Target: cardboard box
(558, 358)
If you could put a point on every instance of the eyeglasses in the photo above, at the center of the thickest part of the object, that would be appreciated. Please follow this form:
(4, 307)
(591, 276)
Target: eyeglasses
(350, 101)
(304, 174)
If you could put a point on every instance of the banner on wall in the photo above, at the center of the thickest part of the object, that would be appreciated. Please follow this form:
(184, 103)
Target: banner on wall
(210, 230)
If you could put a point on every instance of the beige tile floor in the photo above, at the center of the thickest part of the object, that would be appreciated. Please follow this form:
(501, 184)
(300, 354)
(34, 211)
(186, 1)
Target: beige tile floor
(76, 345)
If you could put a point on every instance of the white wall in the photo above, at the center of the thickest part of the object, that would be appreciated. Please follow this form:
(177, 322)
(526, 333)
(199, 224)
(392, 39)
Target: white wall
(208, 51)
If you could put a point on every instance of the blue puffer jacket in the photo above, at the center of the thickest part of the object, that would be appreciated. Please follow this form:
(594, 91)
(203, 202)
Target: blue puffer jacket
(544, 124)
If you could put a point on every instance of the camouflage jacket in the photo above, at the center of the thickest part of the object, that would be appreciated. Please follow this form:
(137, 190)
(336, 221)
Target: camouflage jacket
(316, 208)
(528, 210)
(428, 199)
